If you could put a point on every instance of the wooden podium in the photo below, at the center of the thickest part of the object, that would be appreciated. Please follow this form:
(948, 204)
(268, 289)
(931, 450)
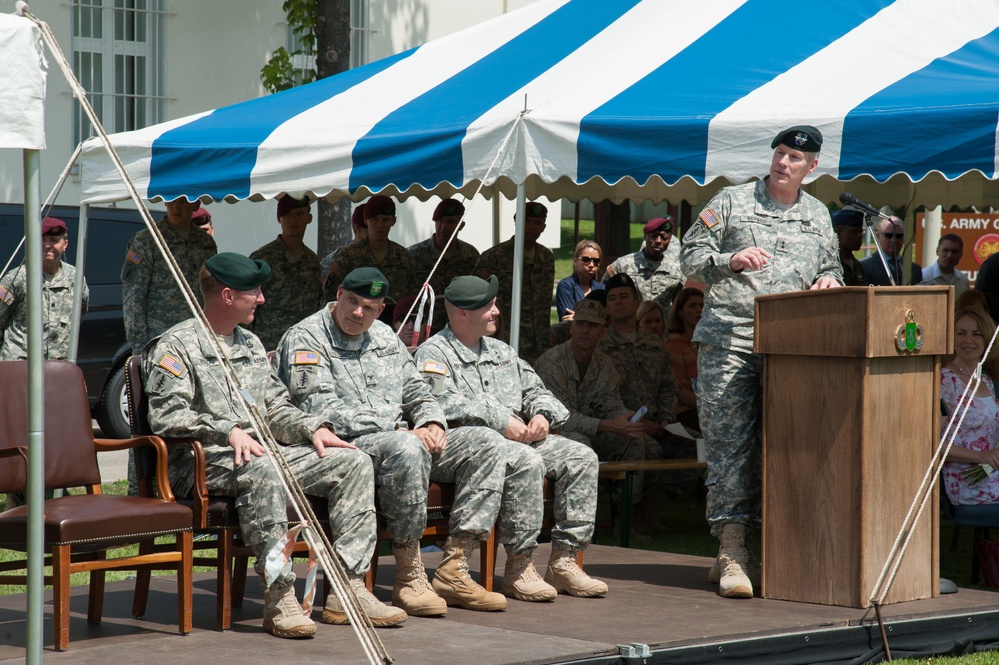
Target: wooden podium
(849, 425)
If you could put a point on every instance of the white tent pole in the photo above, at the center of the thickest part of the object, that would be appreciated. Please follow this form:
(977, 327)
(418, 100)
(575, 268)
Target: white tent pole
(932, 229)
(35, 495)
(81, 257)
(518, 267)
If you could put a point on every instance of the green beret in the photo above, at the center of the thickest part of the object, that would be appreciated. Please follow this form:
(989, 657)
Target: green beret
(366, 282)
(237, 271)
(800, 137)
(471, 292)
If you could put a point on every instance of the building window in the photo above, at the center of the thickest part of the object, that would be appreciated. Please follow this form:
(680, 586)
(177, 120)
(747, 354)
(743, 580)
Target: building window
(117, 56)
(303, 57)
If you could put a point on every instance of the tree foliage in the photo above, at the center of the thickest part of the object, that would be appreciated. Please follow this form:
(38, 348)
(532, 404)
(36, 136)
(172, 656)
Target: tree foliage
(280, 72)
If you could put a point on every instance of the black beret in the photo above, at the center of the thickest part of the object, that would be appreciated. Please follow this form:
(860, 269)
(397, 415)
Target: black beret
(379, 205)
(366, 282)
(448, 208)
(237, 271)
(535, 209)
(848, 218)
(471, 292)
(620, 280)
(800, 137)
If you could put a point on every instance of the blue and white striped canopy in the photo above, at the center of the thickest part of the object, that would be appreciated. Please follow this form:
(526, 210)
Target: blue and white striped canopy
(611, 99)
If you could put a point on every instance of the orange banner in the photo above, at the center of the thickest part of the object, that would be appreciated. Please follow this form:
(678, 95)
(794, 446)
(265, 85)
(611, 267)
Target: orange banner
(979, 230)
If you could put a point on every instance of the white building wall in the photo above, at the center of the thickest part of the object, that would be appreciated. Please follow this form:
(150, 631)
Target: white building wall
(213, 52)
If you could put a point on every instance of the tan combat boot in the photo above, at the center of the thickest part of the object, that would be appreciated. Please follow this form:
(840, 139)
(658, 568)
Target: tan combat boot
(453, 583)
(567, 577)
(521, 580)
(754, 572)
(733, 562)
(380, 614)
(283, 616)
(412, 591)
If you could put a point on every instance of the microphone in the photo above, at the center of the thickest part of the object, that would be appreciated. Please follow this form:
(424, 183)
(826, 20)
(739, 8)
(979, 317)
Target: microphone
(848, 199)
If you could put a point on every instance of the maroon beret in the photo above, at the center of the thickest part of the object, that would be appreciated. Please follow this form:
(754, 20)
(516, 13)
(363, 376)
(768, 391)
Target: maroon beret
(200, 217)
(379, 205)
(53, 227)
(448, 208)
(657, 223)
(287, 203)
(357, 217)
(403, 305)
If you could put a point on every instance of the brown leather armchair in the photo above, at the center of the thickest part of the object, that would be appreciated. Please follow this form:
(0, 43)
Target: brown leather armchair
(79, 529)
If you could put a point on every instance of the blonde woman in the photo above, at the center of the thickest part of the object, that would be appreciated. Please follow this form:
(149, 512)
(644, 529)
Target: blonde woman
(575, 287)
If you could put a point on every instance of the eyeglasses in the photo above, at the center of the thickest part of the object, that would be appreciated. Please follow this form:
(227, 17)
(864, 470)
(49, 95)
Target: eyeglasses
(588, 260)
(893, 235)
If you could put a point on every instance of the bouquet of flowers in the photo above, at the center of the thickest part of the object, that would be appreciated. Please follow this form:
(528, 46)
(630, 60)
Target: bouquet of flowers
(977, 473)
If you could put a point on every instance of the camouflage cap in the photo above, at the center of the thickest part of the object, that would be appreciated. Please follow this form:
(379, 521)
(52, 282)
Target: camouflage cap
(366, 282)
(589, 310)
(471, 292)
(237, 271)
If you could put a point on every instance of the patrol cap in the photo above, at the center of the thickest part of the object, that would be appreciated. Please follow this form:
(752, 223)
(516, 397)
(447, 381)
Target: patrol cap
(237, 271)
(357, 217)
(201, 217)
(366, 282)
(656, 223)
(471, 292)
(535, 209)
(448, 208)
(589, 310)
(848, 218)
(53, 227)
(800, 137)
(379, 205)
(288, 203)
(620, 280)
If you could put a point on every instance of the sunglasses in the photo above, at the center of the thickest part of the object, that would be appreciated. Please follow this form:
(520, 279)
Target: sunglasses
(588, 260)
(893, 235)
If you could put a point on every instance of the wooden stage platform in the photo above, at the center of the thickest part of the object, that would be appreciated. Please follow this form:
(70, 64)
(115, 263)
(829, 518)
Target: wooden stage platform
(656, 599)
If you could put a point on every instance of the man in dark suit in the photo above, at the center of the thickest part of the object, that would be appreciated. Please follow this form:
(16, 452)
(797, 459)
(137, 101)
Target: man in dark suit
(891, 238)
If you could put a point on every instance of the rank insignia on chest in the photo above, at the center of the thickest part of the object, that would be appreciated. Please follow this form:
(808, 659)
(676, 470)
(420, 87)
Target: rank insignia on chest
(708, 217)
(306, 358)
(172, 365)
(133, 257)
(6, 296)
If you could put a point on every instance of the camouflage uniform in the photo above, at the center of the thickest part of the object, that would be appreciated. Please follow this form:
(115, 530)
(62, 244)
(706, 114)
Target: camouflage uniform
(854, 273)
(151, 300)
(804, 248)
(57, 313)
(397, 268)
(536, 296)
(460, 260)
(367, 388)
(655, 281)
(189, 396)
(291, 291)
(589, 399)
(486, 389)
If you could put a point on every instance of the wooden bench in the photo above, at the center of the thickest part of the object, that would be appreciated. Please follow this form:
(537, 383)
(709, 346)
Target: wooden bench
(625, 471)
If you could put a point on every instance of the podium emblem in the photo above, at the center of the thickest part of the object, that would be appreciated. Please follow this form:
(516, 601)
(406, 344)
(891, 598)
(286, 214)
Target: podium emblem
(909, 336)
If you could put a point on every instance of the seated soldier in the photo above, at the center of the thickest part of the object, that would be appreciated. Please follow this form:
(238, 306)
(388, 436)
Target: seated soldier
(481, 381)
(353, 371)
(190, 395)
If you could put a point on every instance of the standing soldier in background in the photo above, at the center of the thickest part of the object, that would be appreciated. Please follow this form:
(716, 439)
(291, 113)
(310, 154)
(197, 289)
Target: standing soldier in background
(849, 228)
(375, 251)
(360, 233)
(753, 239)
(537, 285)
(203, 220)
(58, 288)
(292, 289)
(655, 271)
(151, 300)
(459, 260)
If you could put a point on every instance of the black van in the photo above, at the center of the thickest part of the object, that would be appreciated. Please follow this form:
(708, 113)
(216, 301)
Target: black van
(103, 349)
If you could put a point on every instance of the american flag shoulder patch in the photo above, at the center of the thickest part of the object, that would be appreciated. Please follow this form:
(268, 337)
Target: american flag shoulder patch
(434, 367)
(708, 217)
(172, 365)
(306, 358)
(6, 296)
(133, 257)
